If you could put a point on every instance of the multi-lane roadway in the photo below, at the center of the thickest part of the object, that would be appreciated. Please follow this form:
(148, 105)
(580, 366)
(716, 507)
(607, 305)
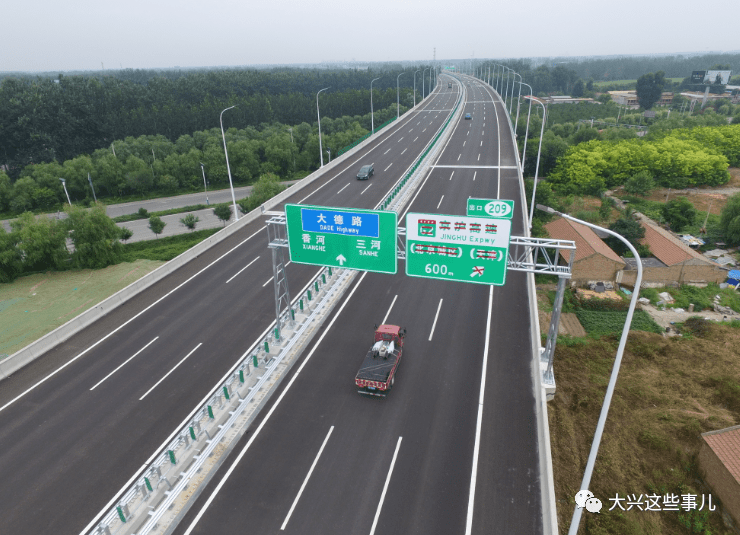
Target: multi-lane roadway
(453, 448)
(79, 421)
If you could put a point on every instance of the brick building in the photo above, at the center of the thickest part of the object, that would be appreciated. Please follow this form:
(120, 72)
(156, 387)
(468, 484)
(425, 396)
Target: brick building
(594, 261)
(674, 262)
(719, 462)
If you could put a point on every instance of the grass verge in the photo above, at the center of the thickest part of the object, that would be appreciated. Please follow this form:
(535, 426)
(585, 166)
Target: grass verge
(669, 391)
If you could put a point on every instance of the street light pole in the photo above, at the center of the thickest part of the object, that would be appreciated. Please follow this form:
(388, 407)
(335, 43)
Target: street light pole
(321, 153)
(292, 147)
(91, 187)
(539, 151)
(615, 369)
(372, 113)
(64, 185)
(398, 96)
(422, 75)
(205, 186)
(526, 132)
(518, 97)
(228, 167)
(423, 93)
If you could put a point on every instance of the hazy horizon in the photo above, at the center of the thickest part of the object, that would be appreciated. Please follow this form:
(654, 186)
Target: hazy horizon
(42, 36)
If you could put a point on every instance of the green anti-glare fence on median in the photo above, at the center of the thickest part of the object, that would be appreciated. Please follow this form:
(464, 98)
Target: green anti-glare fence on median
(418, 161)
(363, 138)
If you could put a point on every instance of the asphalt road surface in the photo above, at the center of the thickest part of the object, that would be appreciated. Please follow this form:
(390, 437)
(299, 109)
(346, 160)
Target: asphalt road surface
(80, 420)
(453, 448)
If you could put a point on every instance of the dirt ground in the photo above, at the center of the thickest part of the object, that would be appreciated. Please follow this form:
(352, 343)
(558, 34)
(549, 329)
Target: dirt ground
(702, 197)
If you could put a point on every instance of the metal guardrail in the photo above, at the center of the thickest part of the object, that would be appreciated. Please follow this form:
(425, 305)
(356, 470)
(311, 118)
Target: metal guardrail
(363, 138)
(162, 481)
(159, 484)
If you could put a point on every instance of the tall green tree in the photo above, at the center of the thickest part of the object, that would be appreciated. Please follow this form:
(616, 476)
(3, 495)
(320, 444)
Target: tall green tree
(42, 242)
(95, 237)
(650, 88)
(729, 220)
(11, 261)
(156, 225)
(223, 212)
(630, 229)
(679, 213)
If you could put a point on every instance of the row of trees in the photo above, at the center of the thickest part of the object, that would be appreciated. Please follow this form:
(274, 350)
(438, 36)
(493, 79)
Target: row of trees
(44, 119)
(677, 159)
(40, 243)
(150, 165)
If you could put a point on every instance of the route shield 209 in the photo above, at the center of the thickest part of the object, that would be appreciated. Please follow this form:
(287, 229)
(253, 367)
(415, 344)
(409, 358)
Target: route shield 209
(464, 249)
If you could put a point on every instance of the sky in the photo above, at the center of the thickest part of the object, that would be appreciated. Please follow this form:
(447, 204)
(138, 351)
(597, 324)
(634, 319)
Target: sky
(49, 35)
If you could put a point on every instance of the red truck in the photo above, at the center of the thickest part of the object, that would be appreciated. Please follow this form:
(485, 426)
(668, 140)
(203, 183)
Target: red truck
(378, 371)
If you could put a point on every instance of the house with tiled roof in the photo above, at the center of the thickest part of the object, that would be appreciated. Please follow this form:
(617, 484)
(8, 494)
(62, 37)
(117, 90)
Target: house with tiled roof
(719, 462)
(594, 261)
(674, 262)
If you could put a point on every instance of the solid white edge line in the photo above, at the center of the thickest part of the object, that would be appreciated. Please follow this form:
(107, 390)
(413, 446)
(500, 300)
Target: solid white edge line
(242, 269)
(479, 422)
(385, 487)
(267, 416)
(52, 374)
(440, 201)
(435, 319)
(390, 308)
(126, 362)
(169, 372)
(305, 481)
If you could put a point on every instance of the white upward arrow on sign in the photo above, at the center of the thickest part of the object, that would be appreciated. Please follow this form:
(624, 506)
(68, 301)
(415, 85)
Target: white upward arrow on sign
(341, 260)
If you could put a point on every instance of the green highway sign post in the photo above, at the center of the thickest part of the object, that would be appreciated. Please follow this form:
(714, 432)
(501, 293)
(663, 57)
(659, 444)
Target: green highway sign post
(495, 208)
(342, 237)
(459, 248)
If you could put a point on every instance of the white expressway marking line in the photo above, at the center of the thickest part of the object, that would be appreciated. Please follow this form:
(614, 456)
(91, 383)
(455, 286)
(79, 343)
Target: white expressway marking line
(389, 309)
(389, 166)
(404, 150)
(386, 152)
(435, 319)
(122, 365)
(341, 190)
(269, 414)
(440, 202)
(52, 374)
(452, 175)
(242, 269)
(479, 423)
(475, 173)
(385, 487)
(399, 140)
(169, 372)
(464, 142)
(268, 281)
(305, 481)
(363, 191)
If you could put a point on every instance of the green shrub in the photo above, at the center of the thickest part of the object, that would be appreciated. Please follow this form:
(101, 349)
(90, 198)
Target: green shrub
(607, 322)
(164, 249)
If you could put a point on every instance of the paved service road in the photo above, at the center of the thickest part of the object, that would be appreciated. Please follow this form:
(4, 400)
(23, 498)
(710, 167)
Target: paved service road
(79, 421)
(453, 448)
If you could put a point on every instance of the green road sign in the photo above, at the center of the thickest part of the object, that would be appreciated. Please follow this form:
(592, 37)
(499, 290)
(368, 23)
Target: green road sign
(343, 237)
(459, 248)
(498, 209)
